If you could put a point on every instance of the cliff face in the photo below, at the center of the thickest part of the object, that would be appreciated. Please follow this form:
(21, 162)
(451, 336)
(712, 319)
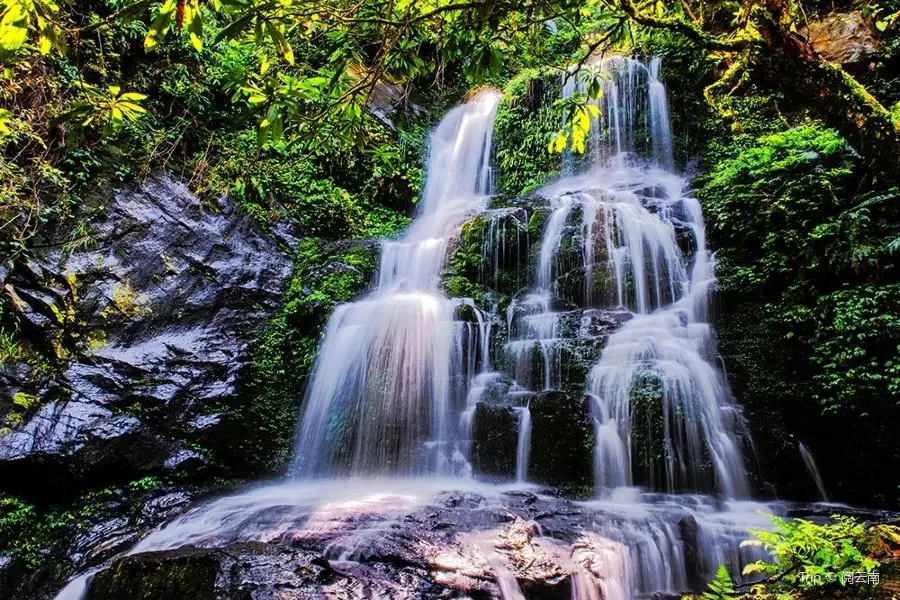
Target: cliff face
(151, 325)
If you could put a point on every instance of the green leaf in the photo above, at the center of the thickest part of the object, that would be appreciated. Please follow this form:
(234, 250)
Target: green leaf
(77, 112)
(160, 25)
(232, 29)
(558, 143)
(195, 27)
(132, 107)
(720, 588)
(284, 48)
(134, 96)
(12, 36)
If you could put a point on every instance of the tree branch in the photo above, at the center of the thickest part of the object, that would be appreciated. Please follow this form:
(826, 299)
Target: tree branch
(688, 29)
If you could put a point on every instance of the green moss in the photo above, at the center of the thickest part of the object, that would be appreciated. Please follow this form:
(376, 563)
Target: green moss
(462, 276)
(187, 574)
(325, 274)
(647, 429)
(494, 441)
(522, 131)
(562, 441)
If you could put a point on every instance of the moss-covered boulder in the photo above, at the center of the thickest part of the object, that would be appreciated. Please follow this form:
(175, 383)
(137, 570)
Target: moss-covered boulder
(592, 286)
(494, 441)
(648, 448)
(236, 572)
(174, 575)
(490, 258)
(562, 441)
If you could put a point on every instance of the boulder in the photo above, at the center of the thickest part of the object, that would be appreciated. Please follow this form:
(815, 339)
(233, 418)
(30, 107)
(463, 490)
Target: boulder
(845, 38)
(151, 326)
(494, 441)
(562, 441)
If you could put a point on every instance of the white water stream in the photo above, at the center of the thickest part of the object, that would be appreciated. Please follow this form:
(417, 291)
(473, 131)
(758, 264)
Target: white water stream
(399, 375)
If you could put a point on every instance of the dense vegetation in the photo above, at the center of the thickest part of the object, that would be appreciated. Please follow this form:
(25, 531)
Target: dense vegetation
(808, 260)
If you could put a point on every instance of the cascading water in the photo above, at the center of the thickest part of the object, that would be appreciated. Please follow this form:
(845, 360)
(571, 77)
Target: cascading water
(810, 463)
(402, 372)
(523, 445)
(381, 398)
(663, 410)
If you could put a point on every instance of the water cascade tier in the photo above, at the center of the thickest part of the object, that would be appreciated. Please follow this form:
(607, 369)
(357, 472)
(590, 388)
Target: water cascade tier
(384, 390)
(510, 348)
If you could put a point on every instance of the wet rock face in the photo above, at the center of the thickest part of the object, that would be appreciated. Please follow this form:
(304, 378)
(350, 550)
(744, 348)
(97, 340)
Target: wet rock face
(845, 38)
(465, 544)
(184, 574)
(494, 438)
(243, 571)
(419, 540)
(562, 440)
(158, 313)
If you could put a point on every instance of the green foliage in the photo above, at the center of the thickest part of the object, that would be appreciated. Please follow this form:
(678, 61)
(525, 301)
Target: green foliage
(810, 556)
(22, 17)
(285, 181)
(720, 588)
(762, 203)
(784, 214)
(577, 112)
(30, 532)
(325, 274)
(110, 107)
(856, 345)
(522, 131)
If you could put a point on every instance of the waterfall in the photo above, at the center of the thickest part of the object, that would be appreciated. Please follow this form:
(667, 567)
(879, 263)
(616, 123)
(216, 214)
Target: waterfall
(381, 397)
(813, 470)
(523, 445)
(663, 409)
(396, 387)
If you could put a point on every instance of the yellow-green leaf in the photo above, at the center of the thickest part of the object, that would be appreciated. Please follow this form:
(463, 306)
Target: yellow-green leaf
(558, 143)
(159, 26)
(44, 42)
(12, 37)
(195, 25)
(133, 107)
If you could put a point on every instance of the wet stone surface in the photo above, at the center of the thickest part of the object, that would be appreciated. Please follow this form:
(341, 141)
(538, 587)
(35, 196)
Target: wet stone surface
(159, 314)
(422, 540)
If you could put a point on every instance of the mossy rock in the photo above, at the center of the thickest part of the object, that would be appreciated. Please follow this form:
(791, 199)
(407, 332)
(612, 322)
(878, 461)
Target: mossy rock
(183, 574)
(494, 441)
(523, 361)
(562, 441)
(574, 363)
(589, 288)
(648, 431)
(326, 273)
(490, 256)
